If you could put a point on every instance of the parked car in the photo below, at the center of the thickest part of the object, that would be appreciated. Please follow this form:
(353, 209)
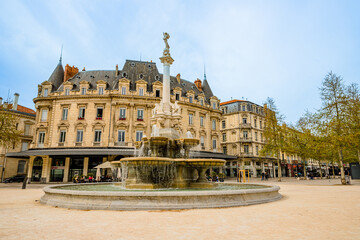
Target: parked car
(17, 178)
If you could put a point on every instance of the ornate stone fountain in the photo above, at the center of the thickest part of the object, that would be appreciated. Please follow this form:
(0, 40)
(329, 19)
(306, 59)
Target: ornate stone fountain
(164, 159)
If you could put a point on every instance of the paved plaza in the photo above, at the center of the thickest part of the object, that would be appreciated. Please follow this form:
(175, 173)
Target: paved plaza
(318, 209)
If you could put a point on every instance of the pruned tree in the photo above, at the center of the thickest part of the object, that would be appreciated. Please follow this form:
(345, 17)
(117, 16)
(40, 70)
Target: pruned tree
(273, 133)
(332, 118)
(9, 135)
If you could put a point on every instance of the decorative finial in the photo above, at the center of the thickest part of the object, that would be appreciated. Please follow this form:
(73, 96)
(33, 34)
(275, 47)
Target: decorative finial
(204, 73)
(60, 61)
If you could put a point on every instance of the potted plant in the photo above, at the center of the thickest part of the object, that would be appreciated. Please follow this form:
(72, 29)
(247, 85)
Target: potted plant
(221, 177)
(213, 176)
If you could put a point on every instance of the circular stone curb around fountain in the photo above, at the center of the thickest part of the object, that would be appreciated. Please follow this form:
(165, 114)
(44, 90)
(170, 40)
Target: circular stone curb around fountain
(157, 200)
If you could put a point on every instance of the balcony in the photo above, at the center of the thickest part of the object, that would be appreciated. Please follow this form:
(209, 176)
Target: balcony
(99, 118)
(246, 139)
(80, 118)
(246, 154)
(245, 125)
(78, 144)
(122, 118)
(60, 144)
(140, 119)
(96, 144)
(120, 144)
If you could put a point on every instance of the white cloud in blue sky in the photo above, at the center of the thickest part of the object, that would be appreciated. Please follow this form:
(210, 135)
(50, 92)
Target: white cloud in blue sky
(252, 49)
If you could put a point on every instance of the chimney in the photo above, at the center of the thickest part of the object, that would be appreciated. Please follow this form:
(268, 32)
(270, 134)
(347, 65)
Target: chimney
(116, 70)
(84, 69)
(178, 77)
(0, 101)
(16, 101)
(198, 84)
(70, 72)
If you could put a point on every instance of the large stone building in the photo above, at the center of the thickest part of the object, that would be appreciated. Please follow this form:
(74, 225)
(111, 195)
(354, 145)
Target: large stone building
(25, 124)
(242, 134)
(84, 118)
(242, 127)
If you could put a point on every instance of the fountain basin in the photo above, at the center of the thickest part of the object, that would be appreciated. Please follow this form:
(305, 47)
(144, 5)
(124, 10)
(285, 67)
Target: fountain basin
(158, 200)
(145, 161)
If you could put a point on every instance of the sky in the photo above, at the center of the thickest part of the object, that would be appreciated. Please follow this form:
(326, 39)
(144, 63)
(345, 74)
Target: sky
(251, 49)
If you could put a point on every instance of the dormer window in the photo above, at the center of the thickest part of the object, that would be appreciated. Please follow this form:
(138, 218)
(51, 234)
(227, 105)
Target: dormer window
(177, 96)
(46, 92)
(157, 93)
(141, 92)
(202, 102)
(190, 99)
(67, 91)
(101, 90)
(214, 105)
(123, 90)
(83, 90)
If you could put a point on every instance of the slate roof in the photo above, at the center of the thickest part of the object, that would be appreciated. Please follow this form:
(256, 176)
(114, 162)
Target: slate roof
(134, 71)
(57, 77)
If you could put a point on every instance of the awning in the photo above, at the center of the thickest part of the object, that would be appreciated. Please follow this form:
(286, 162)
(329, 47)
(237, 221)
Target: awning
(106, 164)
(205, 154)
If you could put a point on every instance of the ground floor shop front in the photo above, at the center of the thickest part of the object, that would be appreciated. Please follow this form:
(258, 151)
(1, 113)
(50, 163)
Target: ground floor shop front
(46, 169)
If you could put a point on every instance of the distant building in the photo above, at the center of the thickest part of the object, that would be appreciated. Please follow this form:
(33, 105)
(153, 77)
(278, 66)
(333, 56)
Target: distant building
(242, 127)
(26, 122)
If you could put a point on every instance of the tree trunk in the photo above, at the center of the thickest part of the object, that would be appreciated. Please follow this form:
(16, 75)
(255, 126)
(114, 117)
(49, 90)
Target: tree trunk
(358, 151)
(279, 169)
(327, 169)
(343, 181)
(305, 177)
(320, 170)
(333, 169)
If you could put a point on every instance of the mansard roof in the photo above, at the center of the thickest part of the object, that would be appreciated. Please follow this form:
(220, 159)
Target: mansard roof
(134, 71)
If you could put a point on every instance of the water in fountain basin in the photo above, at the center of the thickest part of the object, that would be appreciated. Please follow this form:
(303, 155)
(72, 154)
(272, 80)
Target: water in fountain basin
(140, 152)
(194, 148)
(189, 135)
(155, 131)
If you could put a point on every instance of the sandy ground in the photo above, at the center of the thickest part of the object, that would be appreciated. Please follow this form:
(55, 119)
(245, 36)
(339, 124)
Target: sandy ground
(308, 210)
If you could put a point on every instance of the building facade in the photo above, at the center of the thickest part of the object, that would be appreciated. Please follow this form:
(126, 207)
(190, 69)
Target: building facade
(26, 125)
(84, 118)
(242, 127)
(242, 134)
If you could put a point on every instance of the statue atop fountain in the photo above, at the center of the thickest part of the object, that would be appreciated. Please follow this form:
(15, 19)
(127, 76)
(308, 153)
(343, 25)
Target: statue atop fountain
(166, 115)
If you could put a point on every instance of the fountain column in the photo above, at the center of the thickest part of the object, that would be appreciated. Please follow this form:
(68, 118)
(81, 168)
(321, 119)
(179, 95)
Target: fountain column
(166, 60)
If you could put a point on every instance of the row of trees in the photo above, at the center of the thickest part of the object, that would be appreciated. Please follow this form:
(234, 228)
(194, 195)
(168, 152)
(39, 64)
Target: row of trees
(330, 134)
